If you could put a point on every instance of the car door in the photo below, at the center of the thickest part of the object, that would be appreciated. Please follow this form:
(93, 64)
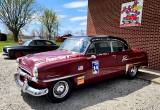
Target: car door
(30, 48)
(100, 61)
(122, 53)
(44, 45)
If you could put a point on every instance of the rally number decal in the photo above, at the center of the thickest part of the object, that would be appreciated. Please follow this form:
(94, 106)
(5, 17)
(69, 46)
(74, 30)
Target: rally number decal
(95, 67)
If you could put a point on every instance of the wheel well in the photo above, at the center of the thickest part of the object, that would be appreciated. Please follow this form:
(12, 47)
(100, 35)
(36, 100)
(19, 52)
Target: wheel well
(131, 65)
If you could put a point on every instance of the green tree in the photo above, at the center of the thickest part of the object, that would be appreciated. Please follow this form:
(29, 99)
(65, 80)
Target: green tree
(50, 20)
(15, 14)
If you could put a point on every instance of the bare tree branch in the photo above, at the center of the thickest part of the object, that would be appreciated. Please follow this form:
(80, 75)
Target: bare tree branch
(15, 14)
(49, 20)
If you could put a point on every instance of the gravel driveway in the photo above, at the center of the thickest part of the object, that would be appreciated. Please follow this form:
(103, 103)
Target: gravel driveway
(115, 94)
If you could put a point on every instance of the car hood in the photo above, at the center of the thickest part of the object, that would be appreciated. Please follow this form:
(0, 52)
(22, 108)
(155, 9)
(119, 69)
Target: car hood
(31, 60)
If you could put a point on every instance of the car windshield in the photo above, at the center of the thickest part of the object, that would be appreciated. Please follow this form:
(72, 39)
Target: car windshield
(74, 45)
(26, 43)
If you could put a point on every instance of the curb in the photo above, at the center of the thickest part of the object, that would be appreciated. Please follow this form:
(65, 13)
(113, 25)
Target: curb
(149, 75)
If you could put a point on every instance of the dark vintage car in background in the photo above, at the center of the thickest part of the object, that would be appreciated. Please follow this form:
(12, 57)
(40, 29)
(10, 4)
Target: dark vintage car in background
(29, 47)
(78, 61)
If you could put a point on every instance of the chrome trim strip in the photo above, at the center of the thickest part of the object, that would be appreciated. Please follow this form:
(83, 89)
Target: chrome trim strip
(28, 89)
(5, 54)
(65, 77)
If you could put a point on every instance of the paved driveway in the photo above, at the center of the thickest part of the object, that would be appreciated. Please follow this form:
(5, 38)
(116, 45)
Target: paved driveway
(116, 94)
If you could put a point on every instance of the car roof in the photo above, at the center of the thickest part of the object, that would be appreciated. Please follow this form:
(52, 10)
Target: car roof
(40, 40)
(99, 38)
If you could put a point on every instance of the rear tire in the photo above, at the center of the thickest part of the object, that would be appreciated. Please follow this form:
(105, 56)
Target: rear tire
(132, 72)
(59, 91)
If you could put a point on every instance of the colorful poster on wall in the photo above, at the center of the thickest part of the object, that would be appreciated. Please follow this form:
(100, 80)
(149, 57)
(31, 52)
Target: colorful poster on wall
(131, 13)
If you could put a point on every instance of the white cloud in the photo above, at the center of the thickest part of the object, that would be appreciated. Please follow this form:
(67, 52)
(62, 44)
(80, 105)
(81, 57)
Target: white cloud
(82, 10)
(78, 18)
(77, 4)
(62, 16)
(83, 23)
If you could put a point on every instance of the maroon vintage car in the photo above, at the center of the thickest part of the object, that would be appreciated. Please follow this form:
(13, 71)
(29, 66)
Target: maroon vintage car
(78, 61)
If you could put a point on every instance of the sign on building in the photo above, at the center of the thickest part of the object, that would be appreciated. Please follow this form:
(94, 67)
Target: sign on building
(131, 13)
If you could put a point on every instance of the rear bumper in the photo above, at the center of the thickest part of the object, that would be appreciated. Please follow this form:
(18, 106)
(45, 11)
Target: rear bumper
(28, 89)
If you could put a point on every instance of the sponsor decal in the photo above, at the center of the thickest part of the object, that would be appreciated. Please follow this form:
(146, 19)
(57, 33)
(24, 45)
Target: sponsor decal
(95, 67)
(80, 80)
(57, 58)
(80, 68)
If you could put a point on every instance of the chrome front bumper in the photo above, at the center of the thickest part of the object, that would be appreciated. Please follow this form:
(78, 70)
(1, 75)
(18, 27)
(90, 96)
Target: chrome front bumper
(28, 89)
(5, 54)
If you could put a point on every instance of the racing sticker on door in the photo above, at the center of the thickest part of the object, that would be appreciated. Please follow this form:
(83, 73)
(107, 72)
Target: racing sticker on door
(95, 67)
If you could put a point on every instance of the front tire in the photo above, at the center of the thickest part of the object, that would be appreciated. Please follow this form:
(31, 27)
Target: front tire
(11, 54)
(59, 91)
(132, 72)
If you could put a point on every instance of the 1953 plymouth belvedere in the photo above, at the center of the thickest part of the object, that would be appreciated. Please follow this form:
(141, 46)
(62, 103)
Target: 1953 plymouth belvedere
(78, 61)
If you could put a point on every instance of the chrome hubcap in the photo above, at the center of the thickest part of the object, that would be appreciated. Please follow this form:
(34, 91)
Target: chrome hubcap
(60, 89)
(134, 71)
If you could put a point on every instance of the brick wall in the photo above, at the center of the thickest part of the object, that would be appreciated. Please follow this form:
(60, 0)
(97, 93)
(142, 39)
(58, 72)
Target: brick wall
(104, 18)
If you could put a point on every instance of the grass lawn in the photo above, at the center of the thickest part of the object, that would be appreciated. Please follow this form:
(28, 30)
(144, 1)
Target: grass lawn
(6, 43)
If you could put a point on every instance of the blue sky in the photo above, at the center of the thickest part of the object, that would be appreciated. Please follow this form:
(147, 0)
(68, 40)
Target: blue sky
(72, 15)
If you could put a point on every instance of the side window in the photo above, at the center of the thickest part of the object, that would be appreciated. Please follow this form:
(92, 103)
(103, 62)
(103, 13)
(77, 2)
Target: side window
(32, 43)
(118, 46)
(102, 47)
(48, 43)
(40, 43)
(99, 47)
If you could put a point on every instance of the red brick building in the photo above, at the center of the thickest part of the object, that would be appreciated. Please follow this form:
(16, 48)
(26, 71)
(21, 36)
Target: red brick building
(104, 18)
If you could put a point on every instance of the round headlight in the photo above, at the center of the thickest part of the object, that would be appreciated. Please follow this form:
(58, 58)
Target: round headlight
(18, 60)
(35, 71)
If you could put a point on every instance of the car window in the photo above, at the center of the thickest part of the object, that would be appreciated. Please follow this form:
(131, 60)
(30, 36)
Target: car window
(40, 43)
(74, 45)
(118, 46)
(49, 43)
(99, 47)
(32, 43)
(27, 43)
